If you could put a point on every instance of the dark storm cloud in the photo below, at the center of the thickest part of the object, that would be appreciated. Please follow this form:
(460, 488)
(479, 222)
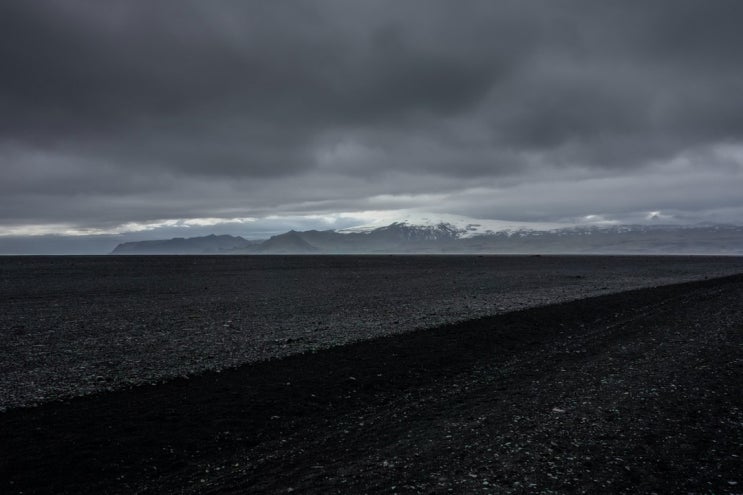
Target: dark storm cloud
(78, 71)
(142, 110)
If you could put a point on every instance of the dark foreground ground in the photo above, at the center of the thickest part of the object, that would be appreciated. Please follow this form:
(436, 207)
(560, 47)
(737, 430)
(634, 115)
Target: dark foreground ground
(635, 392)
(78, 325)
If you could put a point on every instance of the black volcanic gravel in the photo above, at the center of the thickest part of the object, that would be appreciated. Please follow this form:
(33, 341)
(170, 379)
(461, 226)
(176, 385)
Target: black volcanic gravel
(77, 325)
(637, 392)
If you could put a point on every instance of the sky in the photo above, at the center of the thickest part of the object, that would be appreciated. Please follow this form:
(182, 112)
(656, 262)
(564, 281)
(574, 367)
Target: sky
(126, 120)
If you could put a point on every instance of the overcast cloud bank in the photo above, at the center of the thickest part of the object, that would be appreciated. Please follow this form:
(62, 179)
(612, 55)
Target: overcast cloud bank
(124, 116)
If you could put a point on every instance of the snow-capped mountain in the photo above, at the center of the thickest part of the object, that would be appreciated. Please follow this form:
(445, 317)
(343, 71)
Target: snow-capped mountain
(465, 226)
(451, 234)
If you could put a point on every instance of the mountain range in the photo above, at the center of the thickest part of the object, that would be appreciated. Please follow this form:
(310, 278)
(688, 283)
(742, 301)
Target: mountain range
(466, 237)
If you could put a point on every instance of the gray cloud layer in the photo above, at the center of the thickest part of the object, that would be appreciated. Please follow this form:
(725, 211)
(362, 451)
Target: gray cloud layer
(120, 111)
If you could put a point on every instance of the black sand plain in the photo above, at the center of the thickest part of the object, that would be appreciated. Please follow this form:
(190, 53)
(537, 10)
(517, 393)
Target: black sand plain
(636, 391)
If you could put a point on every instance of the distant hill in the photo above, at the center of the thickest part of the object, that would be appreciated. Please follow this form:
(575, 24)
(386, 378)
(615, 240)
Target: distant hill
(446, 238)
(211, 244)
(290, 243)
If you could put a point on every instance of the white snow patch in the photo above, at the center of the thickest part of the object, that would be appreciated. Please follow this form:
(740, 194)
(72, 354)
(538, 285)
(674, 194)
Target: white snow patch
(468, 227)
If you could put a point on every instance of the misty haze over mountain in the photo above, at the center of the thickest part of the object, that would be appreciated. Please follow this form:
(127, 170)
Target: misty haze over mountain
(447, 238)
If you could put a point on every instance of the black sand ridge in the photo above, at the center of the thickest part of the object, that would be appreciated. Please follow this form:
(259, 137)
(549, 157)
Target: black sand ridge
(635, 392)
